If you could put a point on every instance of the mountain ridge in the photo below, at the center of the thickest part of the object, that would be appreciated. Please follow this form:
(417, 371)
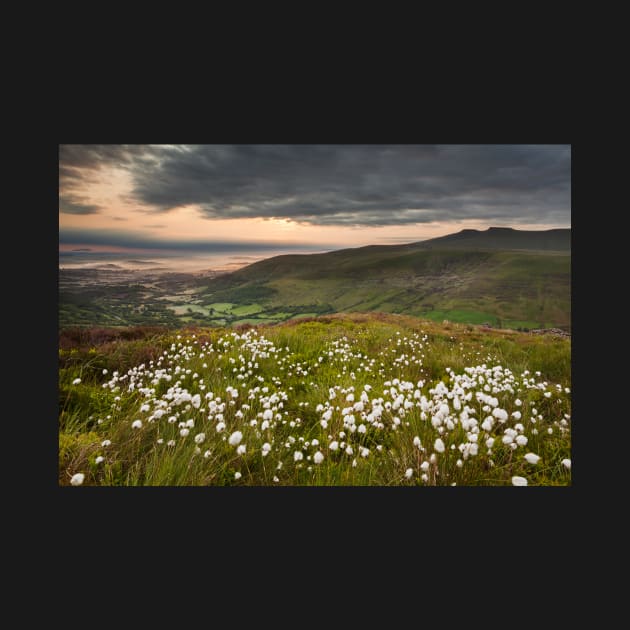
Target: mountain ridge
(502, 276)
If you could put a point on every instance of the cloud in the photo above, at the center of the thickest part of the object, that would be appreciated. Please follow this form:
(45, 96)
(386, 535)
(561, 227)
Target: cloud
(353, 185)
(139, 240)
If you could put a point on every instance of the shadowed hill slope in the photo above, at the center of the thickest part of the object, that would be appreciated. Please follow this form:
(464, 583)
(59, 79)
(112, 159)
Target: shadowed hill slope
(506, 277)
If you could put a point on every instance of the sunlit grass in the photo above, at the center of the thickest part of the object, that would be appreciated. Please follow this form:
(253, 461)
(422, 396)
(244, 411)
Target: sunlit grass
(356, 400)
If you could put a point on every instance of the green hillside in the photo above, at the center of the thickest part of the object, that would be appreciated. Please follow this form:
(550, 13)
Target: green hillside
(364, 399)
(507, 278)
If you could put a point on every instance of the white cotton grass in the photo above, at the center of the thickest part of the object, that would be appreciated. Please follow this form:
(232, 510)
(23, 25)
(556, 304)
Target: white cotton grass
(237, 475)
(519, 481)
(453, 423)
(99, 459)
(77, 479)
(235, 438)
(566, 463)
(76, 382)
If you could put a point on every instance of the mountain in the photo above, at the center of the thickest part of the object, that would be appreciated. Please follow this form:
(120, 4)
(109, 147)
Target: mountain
(506, 277)
(505, 238)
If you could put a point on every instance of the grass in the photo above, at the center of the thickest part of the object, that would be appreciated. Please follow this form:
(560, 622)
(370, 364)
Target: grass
(276, 384)
(471, 286)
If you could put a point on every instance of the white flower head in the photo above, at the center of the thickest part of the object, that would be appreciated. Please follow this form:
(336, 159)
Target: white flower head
(76, 382)
(136, 424)
(519, 481)
(532, 458)
(106, 443)
(241, 449)
(566, 463)
(334, 445)
(409, 473)
(439, 446)
(184, 432)
(199, 438)
(77, 479)
(298, 456)
(99, 459)
(235, 438)
(318, 458)
(237, 475)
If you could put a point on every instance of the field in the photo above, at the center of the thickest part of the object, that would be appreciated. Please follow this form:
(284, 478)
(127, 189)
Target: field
(348, 399)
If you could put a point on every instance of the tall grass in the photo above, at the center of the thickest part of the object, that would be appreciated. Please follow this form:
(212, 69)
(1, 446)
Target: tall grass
(368, 394)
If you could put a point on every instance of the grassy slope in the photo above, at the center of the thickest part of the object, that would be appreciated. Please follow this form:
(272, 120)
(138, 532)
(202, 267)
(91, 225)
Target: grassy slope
(472, 285)
(90, 412)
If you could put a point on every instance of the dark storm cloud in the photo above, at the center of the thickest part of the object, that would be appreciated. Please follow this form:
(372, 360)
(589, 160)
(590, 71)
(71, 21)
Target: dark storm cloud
(138, 240)
(346, 184)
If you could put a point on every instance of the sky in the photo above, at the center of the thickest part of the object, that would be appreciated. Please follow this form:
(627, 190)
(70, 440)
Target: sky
(228, 198)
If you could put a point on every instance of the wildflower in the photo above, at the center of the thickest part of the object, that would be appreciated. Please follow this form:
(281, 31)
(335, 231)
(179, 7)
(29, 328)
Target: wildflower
(76, 382)
(77, 479)
(276, 480)
(364, 452)
(220, 426)
(318, 458)
(532, 458)
(424, 466)
(361, 428)
(518, 402)
(237, 475)
(349, 450)
(170, 443)
(99, 459)
(241, 449)
(235, 438)
(459, 463)
(298, 456)
(184, 432)
(425, 477)
(519, 481)
(409, 473)
(106, 443)
(207, 454)
(334, 445)
(136, 424)
(266, 447)
(521, 440)
(566, 463)
(416, 442)
(199, 438)
(439, 446)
